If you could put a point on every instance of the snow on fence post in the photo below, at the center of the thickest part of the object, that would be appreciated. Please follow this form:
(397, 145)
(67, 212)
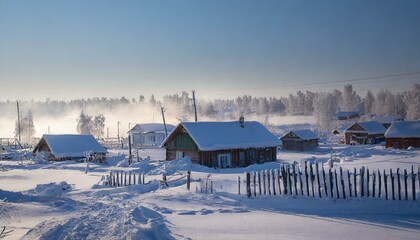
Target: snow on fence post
(259, 182)
(307, 180)
(385, 185)
(278, 180)
(264, 186)
(373, 183)
(325, 181)
(399, 183)
(342, 183)
(311, 172)
(413, 183)
(239, 185)
(392, 184)
(331, 182)
(355, 182)
(317, 178)
(248, 184)
(349, 181)
(255, 183)
(336, 183)
(380, 184)
(299, 169)
(295, 177)
(273, 176)
(405, 184)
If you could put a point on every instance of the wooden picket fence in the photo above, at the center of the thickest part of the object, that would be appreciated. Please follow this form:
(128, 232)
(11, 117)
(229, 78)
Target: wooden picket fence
(313, 180)
(122, 178)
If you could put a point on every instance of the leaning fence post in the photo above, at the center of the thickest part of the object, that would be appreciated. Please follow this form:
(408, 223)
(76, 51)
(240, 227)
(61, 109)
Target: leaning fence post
(295, 178)
(317, 178)
(311, 172)
(143, 178)
(325, 181)
(259, 182)
(355, 182)
(125, 178)
(362, 179)
(385, 185)
(392, 184)
(331, 182)
(413, 183)
(284, 177)
(342, 183)
(290, 179)
(405, 184)
(273, 175)
(300, 179)
(336, 184)
(268, 173)
(399, 183)
(380, 184)
(264, 186)
(188, 180)
(239, 185)
(349, 182)
(129, 178)
(307, 180)
(134, 178)
(278, 180)
(248, 184)
(110, 179)
(367, 181)
(373, 183)
(118, 179)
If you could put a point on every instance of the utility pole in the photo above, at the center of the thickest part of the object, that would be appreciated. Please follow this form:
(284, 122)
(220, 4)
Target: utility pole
(18, 113)
(118, 131)
(195, 107)
(107, 132)
(164, 123)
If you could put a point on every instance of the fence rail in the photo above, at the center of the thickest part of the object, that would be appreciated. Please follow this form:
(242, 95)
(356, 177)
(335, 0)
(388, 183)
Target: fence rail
(313, 180)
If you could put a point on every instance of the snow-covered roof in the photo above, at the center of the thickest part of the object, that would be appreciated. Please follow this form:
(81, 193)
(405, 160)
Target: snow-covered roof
(371, 127)
(304, 134)
(347, 114)
(151, 127)
(388, 119)
(211, 136)
(404, 129)
(72, 145)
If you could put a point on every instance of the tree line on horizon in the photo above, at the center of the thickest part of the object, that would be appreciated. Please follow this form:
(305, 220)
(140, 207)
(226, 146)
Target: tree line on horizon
(322, 105)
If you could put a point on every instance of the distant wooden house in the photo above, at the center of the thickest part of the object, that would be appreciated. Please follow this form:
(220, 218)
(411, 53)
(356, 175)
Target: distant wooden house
(386, 121)
(365, 133)
(69, 147)
(149, 135)
(403, 134)
(300, 140)
(222, 144)
(347, 115)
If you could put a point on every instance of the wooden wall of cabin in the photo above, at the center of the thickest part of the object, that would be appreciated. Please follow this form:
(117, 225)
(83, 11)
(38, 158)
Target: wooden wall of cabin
(402, 142)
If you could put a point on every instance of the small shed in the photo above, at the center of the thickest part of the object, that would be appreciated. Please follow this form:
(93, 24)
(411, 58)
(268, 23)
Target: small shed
(347, 115)
(149, 135)
(403, 134)
(222, 144)
(300, 140)
(371, 132)
(69, 147)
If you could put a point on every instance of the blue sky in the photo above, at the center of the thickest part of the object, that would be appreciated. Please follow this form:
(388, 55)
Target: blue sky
(73, 49)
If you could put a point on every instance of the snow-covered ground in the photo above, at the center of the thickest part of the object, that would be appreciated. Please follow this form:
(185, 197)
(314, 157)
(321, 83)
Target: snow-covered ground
(60, 201)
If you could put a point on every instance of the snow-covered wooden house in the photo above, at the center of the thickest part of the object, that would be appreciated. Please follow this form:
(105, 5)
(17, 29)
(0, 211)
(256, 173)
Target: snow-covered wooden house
(365, 133)
(222, 144)
(300, 140)
(69, 146)
(403, 134)
(149, 135)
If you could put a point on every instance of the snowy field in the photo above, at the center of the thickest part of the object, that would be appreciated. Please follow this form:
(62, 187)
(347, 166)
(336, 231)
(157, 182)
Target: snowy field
(60, 201)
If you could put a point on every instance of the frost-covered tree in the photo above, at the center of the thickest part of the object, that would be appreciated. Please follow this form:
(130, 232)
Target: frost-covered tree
(325, 108)
(26, 128)
(412, 100)
(98, 126)
(350, 99)
(369, 102)
(84, 124)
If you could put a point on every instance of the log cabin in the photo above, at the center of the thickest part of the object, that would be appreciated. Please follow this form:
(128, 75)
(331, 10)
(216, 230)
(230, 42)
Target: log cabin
(222, 144)
(300, 140)
(149, 135)
(371, 132)
(403, 134)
